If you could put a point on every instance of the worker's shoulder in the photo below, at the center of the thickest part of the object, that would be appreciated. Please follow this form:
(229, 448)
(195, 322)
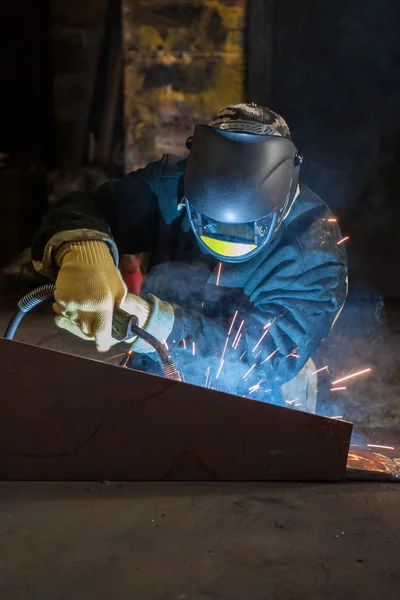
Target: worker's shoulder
(169, 165)
(162, 176)
(308, 211)
(168, 185)
(314, 227)
(307, 203)
(172, 165)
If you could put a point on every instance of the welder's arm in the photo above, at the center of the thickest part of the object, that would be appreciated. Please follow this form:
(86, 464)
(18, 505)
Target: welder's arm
(78, 245)
(299, 315)
(121, 213)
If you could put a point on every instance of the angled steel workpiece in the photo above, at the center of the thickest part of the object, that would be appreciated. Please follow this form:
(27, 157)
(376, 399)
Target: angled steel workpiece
(67, 418)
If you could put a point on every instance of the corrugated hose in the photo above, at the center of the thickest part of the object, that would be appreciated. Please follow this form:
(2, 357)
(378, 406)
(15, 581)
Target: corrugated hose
(124, 325)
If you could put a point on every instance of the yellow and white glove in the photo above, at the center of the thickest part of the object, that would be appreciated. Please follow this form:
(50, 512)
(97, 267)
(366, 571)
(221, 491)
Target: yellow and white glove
(88, 287)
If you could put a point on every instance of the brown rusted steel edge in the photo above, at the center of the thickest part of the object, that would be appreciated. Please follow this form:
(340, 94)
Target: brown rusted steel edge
(63, 417)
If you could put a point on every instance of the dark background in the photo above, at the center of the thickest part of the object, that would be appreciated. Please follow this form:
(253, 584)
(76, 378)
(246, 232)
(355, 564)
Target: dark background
(331, 68)
(59, 124)
(334, 73)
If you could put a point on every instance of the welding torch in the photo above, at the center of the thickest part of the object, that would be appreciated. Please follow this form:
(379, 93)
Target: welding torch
(124, 327)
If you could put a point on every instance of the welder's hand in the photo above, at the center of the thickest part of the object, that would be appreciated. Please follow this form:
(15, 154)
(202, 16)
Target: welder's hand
(88, 287)
(132, 304)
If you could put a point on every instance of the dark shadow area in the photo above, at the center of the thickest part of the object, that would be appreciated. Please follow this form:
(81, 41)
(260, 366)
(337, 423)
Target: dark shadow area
(62, 123)
(331, 69)
(25, 121)
(336, 80)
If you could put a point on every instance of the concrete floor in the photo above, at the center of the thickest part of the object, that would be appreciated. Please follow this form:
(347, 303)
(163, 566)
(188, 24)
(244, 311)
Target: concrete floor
(192, 541)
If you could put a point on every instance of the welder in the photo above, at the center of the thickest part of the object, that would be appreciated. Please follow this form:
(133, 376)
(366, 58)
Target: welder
(244, 274)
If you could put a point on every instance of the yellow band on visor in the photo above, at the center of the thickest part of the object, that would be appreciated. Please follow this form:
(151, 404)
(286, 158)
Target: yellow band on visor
(228, 249)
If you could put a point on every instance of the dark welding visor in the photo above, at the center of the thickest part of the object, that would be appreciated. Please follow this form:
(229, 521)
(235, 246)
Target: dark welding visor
(231, 242)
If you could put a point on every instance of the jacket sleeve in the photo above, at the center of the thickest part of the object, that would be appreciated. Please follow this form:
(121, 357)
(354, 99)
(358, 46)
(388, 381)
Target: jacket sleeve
(288, 306)
(119, 213)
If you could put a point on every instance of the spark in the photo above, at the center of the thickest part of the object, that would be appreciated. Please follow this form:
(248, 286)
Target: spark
(291, 401)
(193, 348)
(251, 368)
(127, 358)
(165, 344)
(184, 343)
(224, 350)
(115, 356)
(351, 376)
(321, 369)
(233, 320)
(260, 340)
(292, 352)
(259, 352)
(219, 272)
(202, 303)
(337, 417)
(267, 325)
(294, 355)
(240, 358)
(299, 404)
(267, 391)
(237, 343)
(270, 356)
(207, 374)
(255, 387)
(384, 447)
(343, 240)
(220, 367)
(333, 220)
(238, 332)
(338, 388)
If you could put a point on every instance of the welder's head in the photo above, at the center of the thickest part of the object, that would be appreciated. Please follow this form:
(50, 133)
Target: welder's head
(240, 180)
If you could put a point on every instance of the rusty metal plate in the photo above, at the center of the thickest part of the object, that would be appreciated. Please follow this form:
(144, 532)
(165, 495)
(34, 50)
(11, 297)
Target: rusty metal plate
(63, 417)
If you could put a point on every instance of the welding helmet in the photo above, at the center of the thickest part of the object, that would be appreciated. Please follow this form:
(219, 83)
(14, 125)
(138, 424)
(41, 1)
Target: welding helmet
(240, 181)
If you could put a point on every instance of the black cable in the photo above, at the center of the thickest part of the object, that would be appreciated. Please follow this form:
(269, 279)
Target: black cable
(29, 301)
(35, 297)
(13, 324)
(153, 341)
(45, 292)
(168, 366)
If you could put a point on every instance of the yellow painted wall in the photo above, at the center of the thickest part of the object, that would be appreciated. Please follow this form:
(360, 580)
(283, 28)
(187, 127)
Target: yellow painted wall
(184, 61)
